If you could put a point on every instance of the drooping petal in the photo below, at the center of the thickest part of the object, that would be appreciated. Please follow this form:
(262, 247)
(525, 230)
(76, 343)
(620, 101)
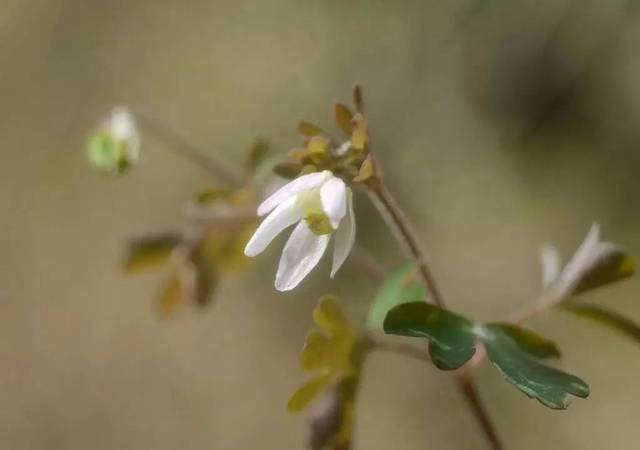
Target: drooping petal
(333, 194)
(300, 255)
(292, 188)
(345, 236)
(285, 215)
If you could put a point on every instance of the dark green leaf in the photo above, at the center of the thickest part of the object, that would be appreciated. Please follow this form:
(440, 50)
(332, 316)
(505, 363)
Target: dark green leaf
(551, 387)
(606, 317)
(398, 288)
(451, 335)
(528, 341)
(150, 251)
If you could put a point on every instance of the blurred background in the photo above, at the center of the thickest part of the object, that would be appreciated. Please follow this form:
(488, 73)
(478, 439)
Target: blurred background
(500, 125)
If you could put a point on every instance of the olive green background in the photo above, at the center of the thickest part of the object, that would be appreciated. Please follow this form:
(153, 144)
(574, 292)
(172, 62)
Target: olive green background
(500, 125)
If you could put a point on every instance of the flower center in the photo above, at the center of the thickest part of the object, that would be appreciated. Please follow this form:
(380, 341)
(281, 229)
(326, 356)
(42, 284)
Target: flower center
(313, 213)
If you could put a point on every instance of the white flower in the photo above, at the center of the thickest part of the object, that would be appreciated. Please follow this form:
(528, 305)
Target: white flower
(321, 204)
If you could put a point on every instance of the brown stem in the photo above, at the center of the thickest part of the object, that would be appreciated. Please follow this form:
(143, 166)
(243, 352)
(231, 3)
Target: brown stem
(404, 233)
(181, 146)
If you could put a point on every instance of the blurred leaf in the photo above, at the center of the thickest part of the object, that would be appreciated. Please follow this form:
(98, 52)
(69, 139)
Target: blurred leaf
(528, 341)
(306, 393)
(326, 352)
(451, 335)
(309, 130)
(106, 155)
(223, 245)
(551, 264)
(329, 317)
(258, 154)
(343, 117)
(606, 317)
(288, 170)
(150, 251)
(398, 288)
(595, 263)
(551, 387)
(317, 148)
(172, 296)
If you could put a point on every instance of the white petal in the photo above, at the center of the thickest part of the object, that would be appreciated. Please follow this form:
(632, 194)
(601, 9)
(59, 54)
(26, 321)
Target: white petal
(303, 183)
(300, 255)
(333, 194)
(345, 237)
(283, 216)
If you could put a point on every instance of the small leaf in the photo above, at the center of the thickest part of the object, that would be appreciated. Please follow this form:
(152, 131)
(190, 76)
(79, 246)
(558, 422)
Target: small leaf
(329, 317)
(150, 251)
(210, 196)
(288, 170)
(551, 387)
(595, 263)
(398, 288)
(309, 130)
(205, 281)
(258, 153)
(606, 317)
(528, 341)
(172, 297)
(308, 392)
(343, 117)
(325, 353)
(317, 148)
(451, 335)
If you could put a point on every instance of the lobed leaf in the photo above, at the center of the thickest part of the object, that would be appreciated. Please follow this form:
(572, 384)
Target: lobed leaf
(329, 317)
(527, 340)
(398, 288)
(307, 393)
(451, 335)
(325, 353)
(551, 387)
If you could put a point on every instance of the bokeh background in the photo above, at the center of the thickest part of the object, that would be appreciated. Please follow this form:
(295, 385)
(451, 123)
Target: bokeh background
(500, 125)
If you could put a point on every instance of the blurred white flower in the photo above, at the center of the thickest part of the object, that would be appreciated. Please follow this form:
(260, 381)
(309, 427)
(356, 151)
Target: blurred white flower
(321, 204)
(115, 145)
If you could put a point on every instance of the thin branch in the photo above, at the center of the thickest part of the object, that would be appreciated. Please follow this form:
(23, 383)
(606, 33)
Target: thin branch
(183, 148)
(403, 231)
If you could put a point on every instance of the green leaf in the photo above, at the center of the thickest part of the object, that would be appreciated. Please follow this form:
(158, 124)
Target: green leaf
(606, 317)
(308, 392)
(325, 353)
(596, 263)
(150, 251)
(258, 154)
(551, 387)
(398, 288)
(343, 117)
(451, 335)
(172, 296)
(329, 317)
(528, 341)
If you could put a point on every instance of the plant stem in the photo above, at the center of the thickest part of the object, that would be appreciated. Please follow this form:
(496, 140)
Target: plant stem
(183, 148)
(403, 231)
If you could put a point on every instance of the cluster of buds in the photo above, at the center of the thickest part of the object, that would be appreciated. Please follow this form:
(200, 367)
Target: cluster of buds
(349, 159)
